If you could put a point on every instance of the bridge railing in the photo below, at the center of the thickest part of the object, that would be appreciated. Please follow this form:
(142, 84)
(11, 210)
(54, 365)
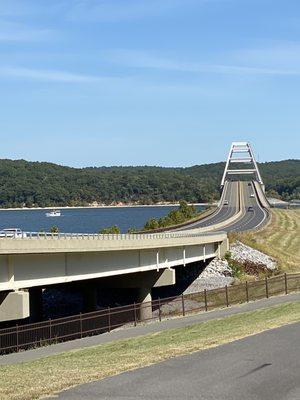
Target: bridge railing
(107, 236)
(26, 336)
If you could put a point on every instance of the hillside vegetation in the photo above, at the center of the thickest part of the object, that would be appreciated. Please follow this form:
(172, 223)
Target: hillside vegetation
(46, 184)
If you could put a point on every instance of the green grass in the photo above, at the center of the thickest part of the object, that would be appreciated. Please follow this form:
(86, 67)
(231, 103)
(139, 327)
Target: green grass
(46, 376)
(280, 239)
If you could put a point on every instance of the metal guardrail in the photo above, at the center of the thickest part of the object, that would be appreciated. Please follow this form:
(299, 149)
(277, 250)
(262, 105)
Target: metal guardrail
(22, 337)
(108, 236)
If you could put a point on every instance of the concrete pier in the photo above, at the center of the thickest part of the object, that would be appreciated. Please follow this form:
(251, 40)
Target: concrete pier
(14, 305)
(145, 298)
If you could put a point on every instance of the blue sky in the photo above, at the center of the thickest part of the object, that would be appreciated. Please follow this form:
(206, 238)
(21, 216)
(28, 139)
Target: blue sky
(148, 82)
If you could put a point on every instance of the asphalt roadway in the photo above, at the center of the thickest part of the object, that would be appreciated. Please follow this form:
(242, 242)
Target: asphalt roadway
(260, 367)
(248, 220)
(223, 212)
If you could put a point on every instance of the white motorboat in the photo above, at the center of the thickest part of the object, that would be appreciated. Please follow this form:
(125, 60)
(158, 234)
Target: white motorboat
(53, 213)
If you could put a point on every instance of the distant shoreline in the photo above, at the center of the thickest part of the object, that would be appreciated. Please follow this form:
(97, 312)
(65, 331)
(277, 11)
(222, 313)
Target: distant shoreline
(100, 207)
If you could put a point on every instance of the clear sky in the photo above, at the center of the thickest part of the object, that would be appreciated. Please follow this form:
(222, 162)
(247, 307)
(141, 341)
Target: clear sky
(151, 82)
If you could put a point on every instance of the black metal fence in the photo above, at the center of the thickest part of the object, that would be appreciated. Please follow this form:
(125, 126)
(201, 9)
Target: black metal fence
(27, 336)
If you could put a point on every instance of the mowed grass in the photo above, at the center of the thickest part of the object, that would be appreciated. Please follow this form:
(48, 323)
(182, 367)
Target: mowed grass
(46, 376)
(280, 239)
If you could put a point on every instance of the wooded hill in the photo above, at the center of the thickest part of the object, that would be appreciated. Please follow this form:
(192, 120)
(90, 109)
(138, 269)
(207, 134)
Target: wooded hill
(45, 184)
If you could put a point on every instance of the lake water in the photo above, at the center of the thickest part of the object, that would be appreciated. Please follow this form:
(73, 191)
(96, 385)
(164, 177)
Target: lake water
(84, 220)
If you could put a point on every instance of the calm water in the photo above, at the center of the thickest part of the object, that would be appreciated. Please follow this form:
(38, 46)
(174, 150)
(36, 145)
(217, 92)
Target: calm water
(83, 220)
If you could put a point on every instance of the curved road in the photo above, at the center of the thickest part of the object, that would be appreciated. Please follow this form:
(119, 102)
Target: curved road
(224, 211)
(251, 219)
(229, 206)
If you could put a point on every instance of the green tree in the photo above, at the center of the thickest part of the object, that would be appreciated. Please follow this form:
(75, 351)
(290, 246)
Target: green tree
(110, 230)
(151, 224)
(182, 214)
(132, 230)
(54, 229)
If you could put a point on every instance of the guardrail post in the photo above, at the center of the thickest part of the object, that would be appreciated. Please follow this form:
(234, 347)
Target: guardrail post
(267, 288)
(159, 310)
(285, 284)
(247, 291)
(226, 293)
(182, 302)
(205, 299)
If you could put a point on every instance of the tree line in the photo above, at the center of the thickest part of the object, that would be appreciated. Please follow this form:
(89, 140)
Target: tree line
(41, 184)
(183, 213)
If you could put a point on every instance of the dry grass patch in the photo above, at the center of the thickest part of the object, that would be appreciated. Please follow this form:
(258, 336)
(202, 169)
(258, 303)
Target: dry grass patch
(46, 376)
(279, 239)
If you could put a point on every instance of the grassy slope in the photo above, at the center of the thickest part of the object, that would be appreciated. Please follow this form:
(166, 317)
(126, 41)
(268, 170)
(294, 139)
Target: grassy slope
(33, 379)
(280, 239)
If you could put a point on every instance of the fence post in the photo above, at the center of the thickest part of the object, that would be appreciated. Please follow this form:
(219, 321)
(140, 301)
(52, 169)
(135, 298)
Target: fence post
(205, 299)
(17, 336)
(109, 321)
(159, 310)
(247, 292)
(135, 319)
(182, 302)
(80, 317)
(50, 329)
(226, 293)
(285, 283)
(267, 288)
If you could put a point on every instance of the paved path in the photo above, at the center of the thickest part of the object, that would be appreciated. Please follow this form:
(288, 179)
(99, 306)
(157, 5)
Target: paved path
(142, 330)
(261, 367)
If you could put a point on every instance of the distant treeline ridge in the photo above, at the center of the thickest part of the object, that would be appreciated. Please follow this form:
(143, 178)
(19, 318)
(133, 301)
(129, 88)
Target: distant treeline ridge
(45, 184)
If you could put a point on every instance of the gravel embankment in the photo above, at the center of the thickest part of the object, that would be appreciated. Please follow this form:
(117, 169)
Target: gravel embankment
(243, 253)
(217, 274)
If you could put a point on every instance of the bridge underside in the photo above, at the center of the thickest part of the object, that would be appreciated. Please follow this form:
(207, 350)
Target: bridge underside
(141, 269)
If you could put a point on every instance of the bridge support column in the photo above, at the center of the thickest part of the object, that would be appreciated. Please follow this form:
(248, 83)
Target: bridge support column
(90, 297)
(36, 304)
(14, 305)
(145, 298)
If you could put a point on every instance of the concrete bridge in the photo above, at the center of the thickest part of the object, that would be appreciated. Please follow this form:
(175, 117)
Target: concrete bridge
(39, 261)
(143, 261)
